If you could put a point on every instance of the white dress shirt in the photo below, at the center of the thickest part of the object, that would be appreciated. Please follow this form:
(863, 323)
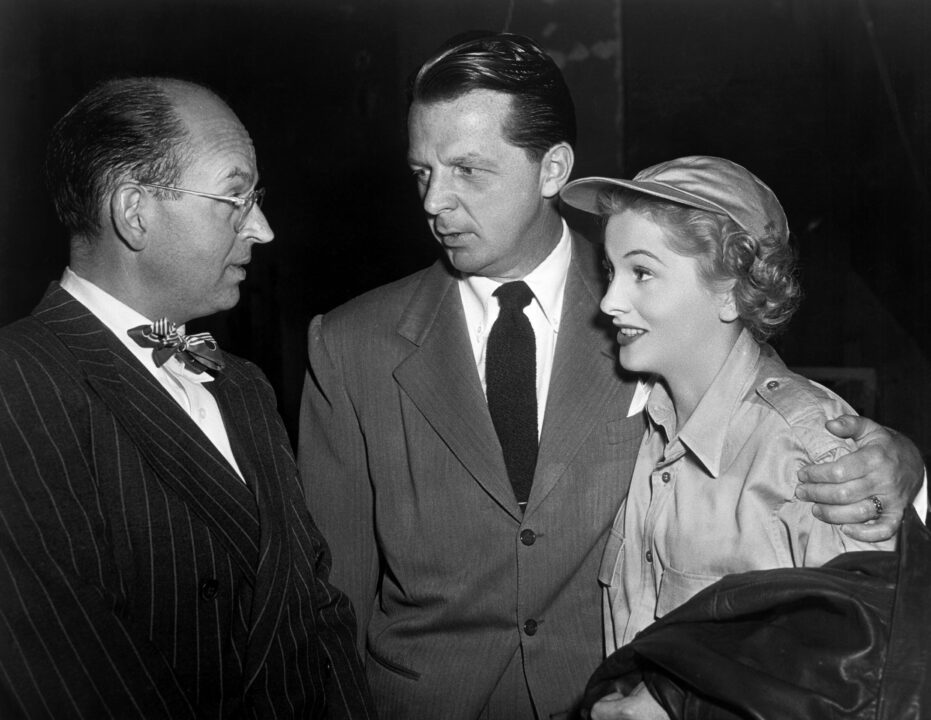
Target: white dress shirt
(185, 386)
(547, 281)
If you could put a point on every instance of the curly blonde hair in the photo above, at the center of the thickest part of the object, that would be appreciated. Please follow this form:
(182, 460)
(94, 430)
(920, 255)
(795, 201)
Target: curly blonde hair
(762, 269)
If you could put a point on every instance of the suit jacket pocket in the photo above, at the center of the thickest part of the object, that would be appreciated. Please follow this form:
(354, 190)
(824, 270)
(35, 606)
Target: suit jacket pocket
(392, 666)
(626, 430)
(675, 587)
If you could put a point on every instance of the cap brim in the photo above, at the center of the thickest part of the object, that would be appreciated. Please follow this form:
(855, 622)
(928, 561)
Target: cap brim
(583, 193)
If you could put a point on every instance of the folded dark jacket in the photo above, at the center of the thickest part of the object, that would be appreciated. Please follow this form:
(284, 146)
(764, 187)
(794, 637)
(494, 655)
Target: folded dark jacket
(851, 639)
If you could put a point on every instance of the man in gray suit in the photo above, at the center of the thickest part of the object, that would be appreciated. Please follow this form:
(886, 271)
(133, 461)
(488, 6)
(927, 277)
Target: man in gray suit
(475, 580)
(157, 559)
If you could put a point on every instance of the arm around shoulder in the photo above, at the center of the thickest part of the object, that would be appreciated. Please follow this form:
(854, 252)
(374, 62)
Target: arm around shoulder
(886, 467)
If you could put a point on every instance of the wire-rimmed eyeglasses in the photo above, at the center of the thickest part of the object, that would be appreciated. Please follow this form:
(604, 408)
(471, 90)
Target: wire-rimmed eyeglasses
(243, 205)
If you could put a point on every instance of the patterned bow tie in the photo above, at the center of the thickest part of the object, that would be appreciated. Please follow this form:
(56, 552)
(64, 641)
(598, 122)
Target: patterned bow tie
(198, 352)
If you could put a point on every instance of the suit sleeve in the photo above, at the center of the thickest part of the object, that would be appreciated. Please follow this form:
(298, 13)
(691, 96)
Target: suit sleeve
(346, 687)
(332, 459)
(65, 652)
(334, 624)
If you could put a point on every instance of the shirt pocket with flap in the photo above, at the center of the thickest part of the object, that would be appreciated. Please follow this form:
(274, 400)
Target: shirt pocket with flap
(676, 587)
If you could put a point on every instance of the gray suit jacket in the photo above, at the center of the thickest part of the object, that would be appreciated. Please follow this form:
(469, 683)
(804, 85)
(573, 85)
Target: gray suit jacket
(140, 576)
(406, 477)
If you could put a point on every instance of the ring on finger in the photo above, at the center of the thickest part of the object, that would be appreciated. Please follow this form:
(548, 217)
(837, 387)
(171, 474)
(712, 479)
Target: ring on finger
(877, 503)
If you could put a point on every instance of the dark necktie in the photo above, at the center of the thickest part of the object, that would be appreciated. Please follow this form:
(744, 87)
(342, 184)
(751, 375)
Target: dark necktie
(198, 352)
(511, 385)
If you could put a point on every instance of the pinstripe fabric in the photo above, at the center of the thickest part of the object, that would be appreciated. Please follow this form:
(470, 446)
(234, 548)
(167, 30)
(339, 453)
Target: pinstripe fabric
(413, 494)
(141, 577)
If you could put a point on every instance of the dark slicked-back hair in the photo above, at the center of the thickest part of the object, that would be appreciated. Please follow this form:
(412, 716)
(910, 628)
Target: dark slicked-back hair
(121, 129)
(542, 113)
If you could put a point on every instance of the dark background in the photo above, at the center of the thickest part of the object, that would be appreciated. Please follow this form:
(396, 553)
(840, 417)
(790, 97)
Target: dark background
(829, 101)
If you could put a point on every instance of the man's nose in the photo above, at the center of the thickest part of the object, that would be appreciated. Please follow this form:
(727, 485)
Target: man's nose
(257, 227)
(438, 196)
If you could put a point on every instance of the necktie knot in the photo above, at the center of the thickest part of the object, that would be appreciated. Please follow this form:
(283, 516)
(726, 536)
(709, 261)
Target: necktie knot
(514, 295)
(198, 351)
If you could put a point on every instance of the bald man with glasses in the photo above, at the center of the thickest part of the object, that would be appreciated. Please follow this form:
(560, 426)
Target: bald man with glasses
(156, 555)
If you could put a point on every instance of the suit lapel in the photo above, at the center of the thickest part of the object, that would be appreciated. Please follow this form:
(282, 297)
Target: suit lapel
(264, 456)
(440, 378)
(182, 456)
(584, 380)
(252, 527)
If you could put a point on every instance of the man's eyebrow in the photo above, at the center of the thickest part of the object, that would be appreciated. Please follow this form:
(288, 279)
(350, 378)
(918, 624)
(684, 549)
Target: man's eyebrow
(469, 157)
(238, 172)
(462, 159)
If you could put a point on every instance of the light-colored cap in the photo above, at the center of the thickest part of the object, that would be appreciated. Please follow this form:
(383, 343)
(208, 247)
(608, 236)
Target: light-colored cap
(700, 181)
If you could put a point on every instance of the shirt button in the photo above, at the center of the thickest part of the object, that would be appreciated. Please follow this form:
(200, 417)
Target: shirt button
(530, 627)
(666, 477)
(649, 556)
(202, 413)
(772, 384)
(209, 589)
(528, 537)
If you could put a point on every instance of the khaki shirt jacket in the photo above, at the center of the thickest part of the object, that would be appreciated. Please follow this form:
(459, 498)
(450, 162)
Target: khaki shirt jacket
(719, 497)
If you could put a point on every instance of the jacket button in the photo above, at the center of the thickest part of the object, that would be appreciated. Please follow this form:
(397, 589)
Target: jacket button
(649, 556)
(665, 477)
(528, 537)
(772, 384)
(209, 589)
(530, 627)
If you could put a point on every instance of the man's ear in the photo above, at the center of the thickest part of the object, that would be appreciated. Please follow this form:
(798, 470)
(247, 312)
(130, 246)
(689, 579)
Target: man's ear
(555, 169)
(128, 212)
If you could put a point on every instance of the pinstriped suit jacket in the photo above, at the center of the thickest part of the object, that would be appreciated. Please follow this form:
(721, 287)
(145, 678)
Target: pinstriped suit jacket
(449, 579)
(139, 577)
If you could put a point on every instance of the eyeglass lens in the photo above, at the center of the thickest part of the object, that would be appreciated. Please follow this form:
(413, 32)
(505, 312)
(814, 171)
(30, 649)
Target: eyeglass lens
(254, 198)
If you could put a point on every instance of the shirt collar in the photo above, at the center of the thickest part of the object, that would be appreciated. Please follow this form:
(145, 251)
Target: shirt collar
(119, 318)
(706, 431)
(547, 282)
